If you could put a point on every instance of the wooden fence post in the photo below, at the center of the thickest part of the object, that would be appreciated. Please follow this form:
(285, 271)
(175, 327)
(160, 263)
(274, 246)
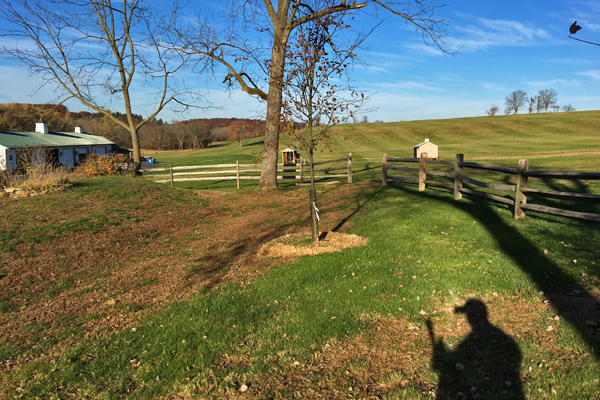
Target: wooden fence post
(422, 173)
(237, 172)
(349, 167)
(301, 170)
(172, 182)
(520, 198)
(385, 166)
(458, 171)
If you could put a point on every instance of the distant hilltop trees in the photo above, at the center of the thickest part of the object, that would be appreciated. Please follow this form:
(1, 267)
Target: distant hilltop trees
(517, 100)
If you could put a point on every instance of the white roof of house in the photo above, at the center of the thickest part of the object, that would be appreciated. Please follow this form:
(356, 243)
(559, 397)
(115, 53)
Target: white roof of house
(12, 140)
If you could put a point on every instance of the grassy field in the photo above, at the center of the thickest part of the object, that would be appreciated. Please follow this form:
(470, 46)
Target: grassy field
(121, 287)
(554, 142)
(558, 141)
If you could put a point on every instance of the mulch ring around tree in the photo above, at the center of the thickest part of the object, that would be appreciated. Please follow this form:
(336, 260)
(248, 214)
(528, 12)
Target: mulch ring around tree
(300, 244)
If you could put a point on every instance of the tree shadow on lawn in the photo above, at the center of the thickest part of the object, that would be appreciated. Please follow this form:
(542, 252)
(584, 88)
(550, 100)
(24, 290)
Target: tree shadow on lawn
(566, 295)
(360, 202)
(216, 265)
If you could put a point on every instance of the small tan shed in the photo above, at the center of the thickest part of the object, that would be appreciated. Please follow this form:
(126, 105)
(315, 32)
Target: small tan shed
(426, 147)
(290, 156)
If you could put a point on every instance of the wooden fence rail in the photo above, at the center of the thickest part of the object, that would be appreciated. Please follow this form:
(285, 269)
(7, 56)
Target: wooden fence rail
(238, 172)
(520, 189)
(347, 167)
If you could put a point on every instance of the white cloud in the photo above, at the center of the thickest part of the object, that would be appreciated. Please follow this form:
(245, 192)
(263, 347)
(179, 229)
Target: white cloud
(554, 83)
(493, 86)
(594, 74)
(18, 87)
(407, 85)
(378, 62)
(586, 14)
(482, 33)
(423, 49)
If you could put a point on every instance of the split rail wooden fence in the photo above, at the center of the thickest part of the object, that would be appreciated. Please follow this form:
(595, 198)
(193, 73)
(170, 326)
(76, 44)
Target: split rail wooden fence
(238, 172)
(520, 190)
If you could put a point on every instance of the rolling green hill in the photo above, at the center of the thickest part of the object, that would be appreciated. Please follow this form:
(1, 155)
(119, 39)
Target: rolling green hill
(563, 141)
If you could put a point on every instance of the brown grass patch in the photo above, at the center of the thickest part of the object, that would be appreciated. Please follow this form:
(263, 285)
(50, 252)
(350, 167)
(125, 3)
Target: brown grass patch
(111, 278)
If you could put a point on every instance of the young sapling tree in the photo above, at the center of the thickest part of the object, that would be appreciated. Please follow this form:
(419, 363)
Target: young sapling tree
(313, 94)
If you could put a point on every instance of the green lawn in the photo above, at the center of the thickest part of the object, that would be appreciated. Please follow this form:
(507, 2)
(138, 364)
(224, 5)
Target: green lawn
(427, 254)
(350, 324)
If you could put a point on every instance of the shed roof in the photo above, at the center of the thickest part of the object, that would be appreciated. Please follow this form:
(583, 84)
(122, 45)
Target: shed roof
(421, 144)
(290, 149)
(14, 140)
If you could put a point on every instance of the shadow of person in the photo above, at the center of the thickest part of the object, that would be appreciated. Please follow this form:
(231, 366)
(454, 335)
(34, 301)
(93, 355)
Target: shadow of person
(485, 365)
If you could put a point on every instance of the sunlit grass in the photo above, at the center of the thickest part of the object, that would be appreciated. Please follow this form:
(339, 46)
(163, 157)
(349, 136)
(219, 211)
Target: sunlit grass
(426, 253)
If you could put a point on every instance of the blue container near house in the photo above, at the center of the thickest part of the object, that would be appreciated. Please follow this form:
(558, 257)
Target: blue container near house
(150, 160)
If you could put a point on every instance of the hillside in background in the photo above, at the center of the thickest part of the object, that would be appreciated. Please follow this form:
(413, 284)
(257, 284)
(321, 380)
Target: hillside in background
(482, 138)
(567, 141)
(570, 140)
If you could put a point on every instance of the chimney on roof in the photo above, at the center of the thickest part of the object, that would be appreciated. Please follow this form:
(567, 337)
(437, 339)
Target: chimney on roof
(77, 129)
(426, 140)
(41, 126)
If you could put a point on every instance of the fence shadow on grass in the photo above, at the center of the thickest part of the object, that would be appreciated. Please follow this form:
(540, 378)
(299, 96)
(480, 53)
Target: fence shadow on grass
(486, 364)
(360, 203)
(577, 186)
(566, 295)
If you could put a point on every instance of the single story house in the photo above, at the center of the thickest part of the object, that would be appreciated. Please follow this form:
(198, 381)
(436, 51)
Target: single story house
(426, 147)
(62, 148)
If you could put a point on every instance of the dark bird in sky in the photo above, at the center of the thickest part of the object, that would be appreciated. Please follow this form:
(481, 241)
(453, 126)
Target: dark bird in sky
(574, 28)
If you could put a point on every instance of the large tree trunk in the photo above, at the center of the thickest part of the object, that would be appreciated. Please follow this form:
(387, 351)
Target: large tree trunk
(268, 173)
(135, 143)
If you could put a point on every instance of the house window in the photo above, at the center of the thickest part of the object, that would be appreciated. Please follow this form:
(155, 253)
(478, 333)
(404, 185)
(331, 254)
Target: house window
(10, 157)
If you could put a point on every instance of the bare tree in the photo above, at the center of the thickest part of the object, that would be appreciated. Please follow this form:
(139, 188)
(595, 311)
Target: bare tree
(250, 62)
(532, 104)
(200, 134)
(556, 108)
(568, 108)
(91, 50)
(516, 100)
(159, 137)
(492, 111)
(539, 105)
(312, 92)
(547, 98)
(238, 131)
(180, 133)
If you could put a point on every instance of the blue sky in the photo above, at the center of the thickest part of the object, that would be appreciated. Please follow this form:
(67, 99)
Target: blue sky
(502, 47)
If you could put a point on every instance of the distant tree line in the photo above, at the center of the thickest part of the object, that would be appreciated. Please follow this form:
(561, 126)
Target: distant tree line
(155, 135)
(544, 100)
